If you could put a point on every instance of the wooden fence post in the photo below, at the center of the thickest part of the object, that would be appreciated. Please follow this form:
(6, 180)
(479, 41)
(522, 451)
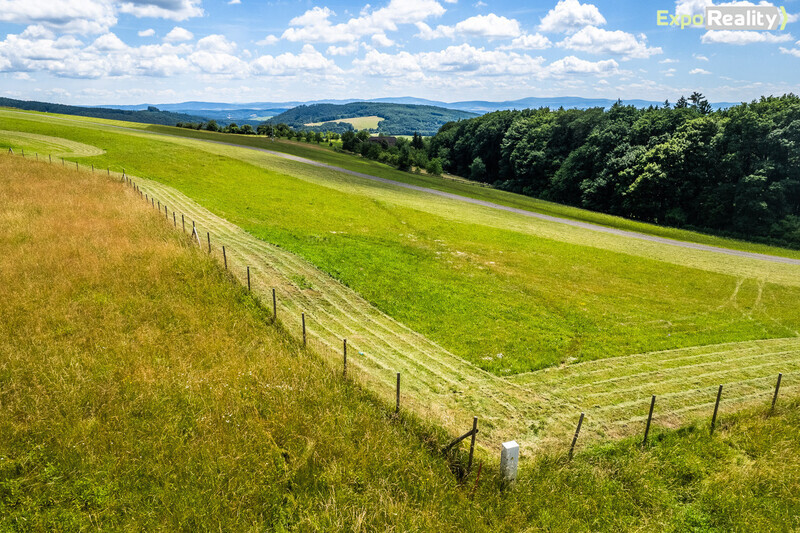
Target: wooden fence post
(397, 403)
(174, 219)
(208, 234)
(183, 223)
(225, 258)
(51, 158)
(303, 317)
(274, 306)
(649, 419)
(472, 443)
(575, 438)
(248, 278)
(777, 389)
(716, 409)
(344, 366)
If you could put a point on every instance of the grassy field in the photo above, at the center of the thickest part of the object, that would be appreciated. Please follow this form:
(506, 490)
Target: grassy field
(473, 280)
(359, 123)
(142, 388)
(502, 292)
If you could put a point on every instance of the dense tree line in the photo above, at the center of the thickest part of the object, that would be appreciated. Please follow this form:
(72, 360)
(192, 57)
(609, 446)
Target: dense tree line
(733, 172)
(268, 130)
(398, 119)
(405, 154)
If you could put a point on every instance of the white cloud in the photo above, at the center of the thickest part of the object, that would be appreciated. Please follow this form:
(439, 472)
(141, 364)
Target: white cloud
(164, 66)
(465, 62)
(268, 40)
(599, 41)
(691, 7)
(288, 64)
(108, 43)
(668, 61)
(388, 65)
(234, 2)
(216, 43)
(167, 9)
(699, 71)
(463, 58)
(315, 25)
(569, 16)
(147, 33)
(535, 41)
(489, 26)
(178, 34)
(791, 51)
(573, 65)
(741, 37)
(219, 63)
(700, 57)
(66, 16)
(427, 33)
(380, 39)
(346, 50)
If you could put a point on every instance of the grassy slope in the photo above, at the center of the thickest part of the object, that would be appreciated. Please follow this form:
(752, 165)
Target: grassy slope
(327, 155)
(465, 285)
(141, 389)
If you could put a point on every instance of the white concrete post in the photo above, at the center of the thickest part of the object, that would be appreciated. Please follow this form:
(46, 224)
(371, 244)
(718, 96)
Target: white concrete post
(509, 460)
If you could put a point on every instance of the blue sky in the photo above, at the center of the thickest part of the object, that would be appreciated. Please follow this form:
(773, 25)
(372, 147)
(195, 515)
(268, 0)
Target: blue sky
(162, 51)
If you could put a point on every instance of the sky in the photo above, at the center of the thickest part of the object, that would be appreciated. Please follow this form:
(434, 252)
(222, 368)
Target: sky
(166, 51)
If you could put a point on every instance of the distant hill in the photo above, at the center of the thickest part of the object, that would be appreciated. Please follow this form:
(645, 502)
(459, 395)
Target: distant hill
(152, 115)
(398, 119)
(250, 112)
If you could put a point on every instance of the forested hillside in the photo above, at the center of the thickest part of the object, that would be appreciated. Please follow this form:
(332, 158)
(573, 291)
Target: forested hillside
(152, 115)
(733, 171)
(398, 119)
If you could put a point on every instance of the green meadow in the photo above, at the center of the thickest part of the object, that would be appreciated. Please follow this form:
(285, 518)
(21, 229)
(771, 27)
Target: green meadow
(507, 293)
(142, 388)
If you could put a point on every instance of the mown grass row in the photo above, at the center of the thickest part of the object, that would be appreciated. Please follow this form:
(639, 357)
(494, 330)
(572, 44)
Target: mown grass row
(141, 388)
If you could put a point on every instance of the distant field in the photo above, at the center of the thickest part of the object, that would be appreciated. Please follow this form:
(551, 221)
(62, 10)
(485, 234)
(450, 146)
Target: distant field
(359, 123)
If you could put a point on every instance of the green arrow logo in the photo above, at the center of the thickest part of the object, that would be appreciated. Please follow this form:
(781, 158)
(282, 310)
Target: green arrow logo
(785, 17)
